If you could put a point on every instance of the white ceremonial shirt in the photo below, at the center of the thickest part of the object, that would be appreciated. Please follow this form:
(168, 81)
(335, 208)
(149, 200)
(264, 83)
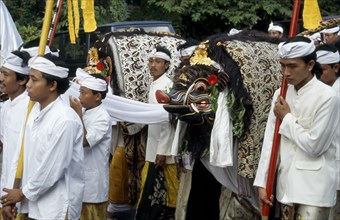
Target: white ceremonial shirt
(96, 156)
(336, 87)
(13, 115)
(53, 175)
(306, 169)
(161, 135)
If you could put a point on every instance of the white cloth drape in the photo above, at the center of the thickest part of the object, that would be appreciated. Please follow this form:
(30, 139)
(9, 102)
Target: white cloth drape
(122, 109)
(10, 38)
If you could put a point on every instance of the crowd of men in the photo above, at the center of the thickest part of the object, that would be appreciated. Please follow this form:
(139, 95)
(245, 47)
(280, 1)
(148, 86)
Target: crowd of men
(56, 149)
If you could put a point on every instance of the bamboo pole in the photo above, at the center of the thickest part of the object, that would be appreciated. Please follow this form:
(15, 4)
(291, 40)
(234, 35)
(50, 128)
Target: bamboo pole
(46, 27)
(277, 136)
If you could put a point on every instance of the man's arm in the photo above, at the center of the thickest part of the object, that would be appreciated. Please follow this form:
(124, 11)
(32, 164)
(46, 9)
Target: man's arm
(314, 139)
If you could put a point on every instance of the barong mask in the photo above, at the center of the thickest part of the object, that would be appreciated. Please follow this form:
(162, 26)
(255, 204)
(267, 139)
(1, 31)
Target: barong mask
(196, 87)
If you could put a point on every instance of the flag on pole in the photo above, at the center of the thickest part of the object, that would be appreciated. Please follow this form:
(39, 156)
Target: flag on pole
(311, 14)
(10, 38)
(90, 24)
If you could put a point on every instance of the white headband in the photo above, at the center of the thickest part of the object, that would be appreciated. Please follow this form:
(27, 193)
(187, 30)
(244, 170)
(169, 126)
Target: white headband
(331, 30)
(273, 27)
(327, 57)
(46, 66)
(188, 51)
(33, 51)
(162, 55)
(296, 49)
(14, 63)
(87, 80)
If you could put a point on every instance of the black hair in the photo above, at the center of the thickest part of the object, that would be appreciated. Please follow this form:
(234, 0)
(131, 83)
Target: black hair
(102, 93)
(164, 50)
(62, 83)
(188, 43)
(25, 56)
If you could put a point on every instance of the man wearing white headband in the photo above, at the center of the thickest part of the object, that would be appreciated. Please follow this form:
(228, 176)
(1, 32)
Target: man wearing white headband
(306, 168)
(159, 168)
(275, 31)
(331, 34)
(96, 142)
(329, 58)
(52, 184)
(13, 79)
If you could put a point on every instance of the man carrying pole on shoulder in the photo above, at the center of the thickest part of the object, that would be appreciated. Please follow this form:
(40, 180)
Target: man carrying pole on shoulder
(307, 144)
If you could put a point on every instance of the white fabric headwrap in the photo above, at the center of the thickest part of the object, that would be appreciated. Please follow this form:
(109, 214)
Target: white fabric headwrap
(33, 51)
(316, 36)
(327, 57)
(90, 82)
(331, 30)
(273, 27)
(296, 49)
(46, 66)
(162, 55)
(234, 31)
(14, 63)
(188, 51)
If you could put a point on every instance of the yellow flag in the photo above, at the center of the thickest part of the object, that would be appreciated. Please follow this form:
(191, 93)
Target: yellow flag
(311, 14)
(88, 14)
(73, 19)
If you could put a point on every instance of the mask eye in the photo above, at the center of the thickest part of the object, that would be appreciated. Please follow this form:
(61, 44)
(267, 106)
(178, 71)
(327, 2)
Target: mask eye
(200, 87)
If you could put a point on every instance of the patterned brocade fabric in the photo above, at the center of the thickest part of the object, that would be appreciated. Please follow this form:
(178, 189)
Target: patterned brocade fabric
(131, 51)
(260, 69)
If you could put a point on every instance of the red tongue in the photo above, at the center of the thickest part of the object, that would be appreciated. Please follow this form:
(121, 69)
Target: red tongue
(162, 97)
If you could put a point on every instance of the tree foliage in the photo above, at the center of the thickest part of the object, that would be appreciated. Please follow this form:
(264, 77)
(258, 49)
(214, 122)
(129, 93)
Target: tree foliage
(28, 15)
(191, 18)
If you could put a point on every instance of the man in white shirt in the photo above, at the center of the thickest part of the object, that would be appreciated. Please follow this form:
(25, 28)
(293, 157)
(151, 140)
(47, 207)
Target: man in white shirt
(306, 181)
(52, 184)
(329, 58)
(13, 79)
(159, 172)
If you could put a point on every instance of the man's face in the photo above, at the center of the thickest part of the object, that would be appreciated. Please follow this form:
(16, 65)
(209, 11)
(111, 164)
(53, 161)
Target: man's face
(157, 67)
(295, 70)
(329, 74)
(8, 82)
(37, 87)
(87, 99)
(275, 34)
(330, 38)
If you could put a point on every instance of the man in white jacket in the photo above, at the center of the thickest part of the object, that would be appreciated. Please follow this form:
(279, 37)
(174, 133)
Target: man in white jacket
(159, 181)
(306, 181)
(329, 58)
(52, 184)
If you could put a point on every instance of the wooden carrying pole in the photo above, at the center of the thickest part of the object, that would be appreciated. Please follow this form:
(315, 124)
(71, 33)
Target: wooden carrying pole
(277, 136)
(54, 24)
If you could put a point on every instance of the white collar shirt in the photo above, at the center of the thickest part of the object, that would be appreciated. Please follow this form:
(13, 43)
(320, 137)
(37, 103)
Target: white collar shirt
(53, 175)
(13, 118)
(306, 168)
(98, 134)
(160, 136)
